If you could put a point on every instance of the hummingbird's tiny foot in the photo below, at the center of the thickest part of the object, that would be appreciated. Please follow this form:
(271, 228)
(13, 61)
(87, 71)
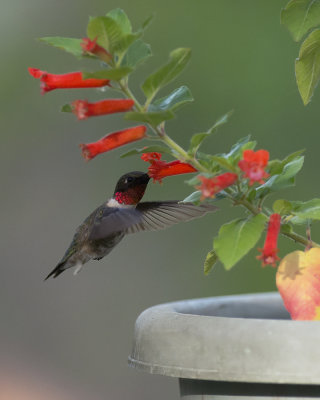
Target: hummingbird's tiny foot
(78, 268)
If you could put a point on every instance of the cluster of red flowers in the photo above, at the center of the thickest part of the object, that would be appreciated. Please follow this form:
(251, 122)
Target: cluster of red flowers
(253, 165)
(210, 186)
(84, 109)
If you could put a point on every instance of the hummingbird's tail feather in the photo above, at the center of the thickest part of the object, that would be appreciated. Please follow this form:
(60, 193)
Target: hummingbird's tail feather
(57, 270)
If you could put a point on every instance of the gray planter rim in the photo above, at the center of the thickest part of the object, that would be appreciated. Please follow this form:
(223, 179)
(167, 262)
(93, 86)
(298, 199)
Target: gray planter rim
(244, 338)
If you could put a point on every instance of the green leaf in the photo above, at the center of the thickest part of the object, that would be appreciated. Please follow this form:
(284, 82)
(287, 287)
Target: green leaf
(286, 177)
(119, 33)
(298, 220)
(307, 210)
(193, 197)
(222, 162)
(125, 42)
(308, 66)
(236, 238)
(286, 228)
(237, 147)
(147, 22)
(218, 196)
(70, 45)
(210, 261)
(152, 118)
(283, 180)
(250, 145)
(198, 138)
(195, 180)
(221, 121)
(292, 156)
(275, 167)
(196, 141)
(114, 74)
(173, 101)
(110, 35)
(137, 53)
(204, 156)
(105, 29)
(149, 149)
(66, 108)
(235, 154)
(251, 195)
(121, 18)
(179, 58)
(299, 16)
(282, 207)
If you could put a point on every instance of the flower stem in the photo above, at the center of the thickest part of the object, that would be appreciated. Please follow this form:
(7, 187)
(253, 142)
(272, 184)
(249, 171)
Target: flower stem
(183, 154)
(125, 89)
(300, 239)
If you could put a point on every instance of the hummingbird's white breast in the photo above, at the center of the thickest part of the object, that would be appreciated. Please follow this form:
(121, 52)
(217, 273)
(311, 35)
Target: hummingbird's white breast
(115, 203)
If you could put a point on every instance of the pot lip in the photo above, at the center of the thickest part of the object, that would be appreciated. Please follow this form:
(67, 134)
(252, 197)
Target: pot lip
(174, 339)
(190, 307)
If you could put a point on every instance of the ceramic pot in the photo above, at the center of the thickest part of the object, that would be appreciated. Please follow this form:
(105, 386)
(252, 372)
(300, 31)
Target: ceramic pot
(241, 347)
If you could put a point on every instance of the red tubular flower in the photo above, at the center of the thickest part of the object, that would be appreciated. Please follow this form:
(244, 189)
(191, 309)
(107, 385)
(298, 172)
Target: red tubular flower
(161, 169)
(112, 141)
(151, 157)
(210, 186)
(91, 46)
(71, 80)
(269, 251)
(253, 164)
(83, 109)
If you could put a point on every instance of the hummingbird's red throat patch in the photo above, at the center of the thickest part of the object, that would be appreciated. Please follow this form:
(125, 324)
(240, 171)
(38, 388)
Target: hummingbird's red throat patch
(131, 196)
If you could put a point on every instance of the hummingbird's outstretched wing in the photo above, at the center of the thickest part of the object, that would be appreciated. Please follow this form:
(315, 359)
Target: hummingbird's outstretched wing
(160, 215)
(147, 216)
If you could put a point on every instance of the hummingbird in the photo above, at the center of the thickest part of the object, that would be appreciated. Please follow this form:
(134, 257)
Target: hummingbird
(120, 215)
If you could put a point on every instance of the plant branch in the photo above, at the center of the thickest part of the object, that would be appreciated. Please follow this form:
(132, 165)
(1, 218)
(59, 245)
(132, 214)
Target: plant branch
(300, 239)
(162, 135)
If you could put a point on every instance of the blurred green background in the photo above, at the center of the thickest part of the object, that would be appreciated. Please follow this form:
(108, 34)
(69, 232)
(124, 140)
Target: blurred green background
(77, 330)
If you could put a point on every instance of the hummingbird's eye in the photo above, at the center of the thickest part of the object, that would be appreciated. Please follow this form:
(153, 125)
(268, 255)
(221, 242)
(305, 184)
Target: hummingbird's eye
(129, 179)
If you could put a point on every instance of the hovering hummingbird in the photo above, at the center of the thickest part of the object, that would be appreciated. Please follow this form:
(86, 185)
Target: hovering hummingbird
(103, 229)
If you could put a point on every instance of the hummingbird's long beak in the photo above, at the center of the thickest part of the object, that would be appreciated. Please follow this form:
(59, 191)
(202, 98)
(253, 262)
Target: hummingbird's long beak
(145, 179)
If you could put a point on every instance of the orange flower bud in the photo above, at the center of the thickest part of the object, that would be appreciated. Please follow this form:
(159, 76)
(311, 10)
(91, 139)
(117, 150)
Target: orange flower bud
(83, 109)
(91, 46)
(269, 251)
(112, 141)
(71, 80)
